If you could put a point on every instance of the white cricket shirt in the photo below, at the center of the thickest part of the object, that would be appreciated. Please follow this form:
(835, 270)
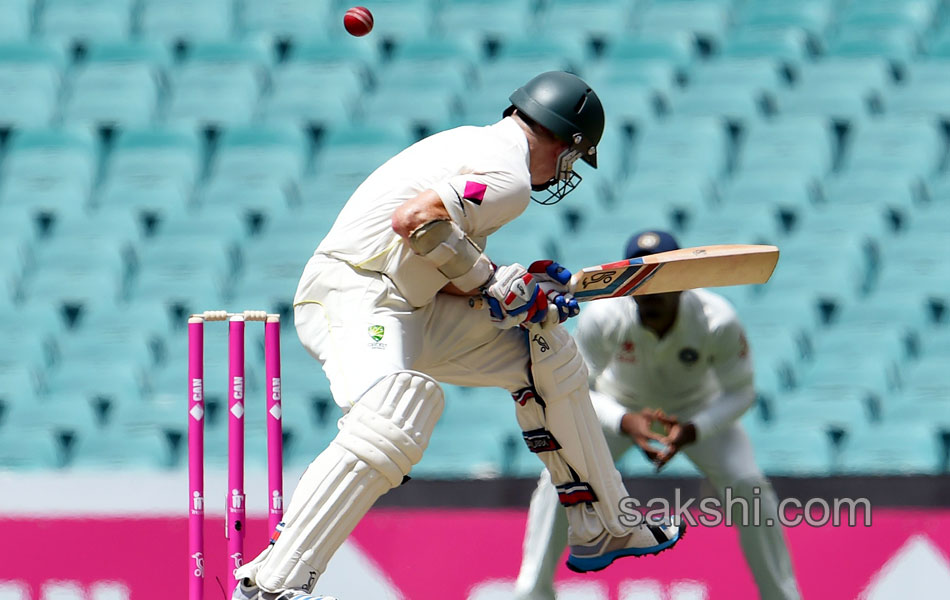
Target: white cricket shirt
(482, 176)
(700, 370)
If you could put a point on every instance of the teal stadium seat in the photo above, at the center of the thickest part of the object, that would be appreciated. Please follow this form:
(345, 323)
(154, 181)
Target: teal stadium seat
(228, 227)
(908, 147)
(62, 415)
(893, 449)
(915, 264)
(71, 21)
(15, 255)
(914, 15)
(15, 20)
(49, 162)
(446, 65)
(709, 21)
(805, 264)
(424, 114)
(183, 274)
(843, 103)
(796, 450)
(752, 75)
(598, 20)
(935, 342)
(811, 16)
(319, 83)
(518, 59)
(648, 60)
(25, 346)
(29, 451)
(142, 202)
(789, 46)
(115, 450)
(78, 269)
(681, 200)
(685, 144)
(738, 105)
(862, 193)
(117, 85)
(251, 154)
(30, 80)
(790, 194)
(295, 20)
(631, 105)
(219, 84)
(351, 152)
(895, 43)
(122, 229)
(250, 202)
(190, 21)
(759, 224)
(867, 73)
(482, 20)
(152, 157)
(274, 263)
(120, 381)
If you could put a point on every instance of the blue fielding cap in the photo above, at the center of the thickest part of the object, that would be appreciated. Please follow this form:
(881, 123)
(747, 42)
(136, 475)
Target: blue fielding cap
(651, 241)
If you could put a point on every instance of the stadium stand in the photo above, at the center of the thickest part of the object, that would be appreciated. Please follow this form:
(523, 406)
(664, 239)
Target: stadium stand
(137, 136)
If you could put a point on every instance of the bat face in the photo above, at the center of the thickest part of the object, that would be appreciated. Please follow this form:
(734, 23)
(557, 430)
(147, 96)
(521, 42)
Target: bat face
(678, 270)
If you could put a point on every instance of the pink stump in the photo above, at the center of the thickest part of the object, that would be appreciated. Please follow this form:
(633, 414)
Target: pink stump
(275, 461)
(235, 500)
(196, 502)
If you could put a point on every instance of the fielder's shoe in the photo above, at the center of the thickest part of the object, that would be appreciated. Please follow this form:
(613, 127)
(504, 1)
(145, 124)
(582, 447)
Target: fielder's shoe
(246, 590)
(645, 539)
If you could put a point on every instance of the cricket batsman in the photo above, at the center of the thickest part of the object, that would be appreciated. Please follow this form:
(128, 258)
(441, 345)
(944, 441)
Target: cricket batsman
(383, 306)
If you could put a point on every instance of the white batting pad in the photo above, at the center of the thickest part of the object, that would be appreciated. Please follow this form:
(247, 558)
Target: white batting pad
(562, 428)
(380, 439)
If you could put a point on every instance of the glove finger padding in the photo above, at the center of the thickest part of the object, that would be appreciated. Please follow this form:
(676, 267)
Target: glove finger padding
(514, 297)
(554, 280)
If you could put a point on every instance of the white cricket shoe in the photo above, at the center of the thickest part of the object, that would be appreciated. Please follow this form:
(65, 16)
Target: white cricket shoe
(645, 539)
(246, 590)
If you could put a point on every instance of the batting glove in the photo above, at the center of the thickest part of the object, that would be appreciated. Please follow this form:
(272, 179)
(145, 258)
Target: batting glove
(553, 279)
(514, 297)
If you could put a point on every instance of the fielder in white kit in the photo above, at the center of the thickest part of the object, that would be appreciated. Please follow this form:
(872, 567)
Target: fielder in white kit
(383, 305)
(685, 354)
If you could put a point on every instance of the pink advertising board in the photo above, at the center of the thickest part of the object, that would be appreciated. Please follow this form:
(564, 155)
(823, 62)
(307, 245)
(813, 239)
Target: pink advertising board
(471, 555)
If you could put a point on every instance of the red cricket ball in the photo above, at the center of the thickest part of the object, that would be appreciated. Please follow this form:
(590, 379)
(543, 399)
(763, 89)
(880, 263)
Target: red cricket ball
(358, 21)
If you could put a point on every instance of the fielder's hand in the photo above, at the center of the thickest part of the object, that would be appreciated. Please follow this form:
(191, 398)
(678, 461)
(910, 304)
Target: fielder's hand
(639, 426)
(678, 435)
(553, 279)
(514, 297)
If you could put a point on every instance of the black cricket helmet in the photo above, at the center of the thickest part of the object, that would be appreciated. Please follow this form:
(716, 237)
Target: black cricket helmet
(566, 106)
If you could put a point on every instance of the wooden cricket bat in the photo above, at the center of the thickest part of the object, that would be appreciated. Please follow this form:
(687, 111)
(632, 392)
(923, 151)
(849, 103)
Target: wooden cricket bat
(674, 271)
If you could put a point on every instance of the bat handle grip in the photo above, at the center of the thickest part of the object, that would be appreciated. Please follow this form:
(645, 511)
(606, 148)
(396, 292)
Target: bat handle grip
(476, 302)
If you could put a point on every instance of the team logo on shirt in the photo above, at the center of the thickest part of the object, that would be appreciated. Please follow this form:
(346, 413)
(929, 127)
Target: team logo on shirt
(627, 352)
(474, 191)
(376, 333)
(689, 356)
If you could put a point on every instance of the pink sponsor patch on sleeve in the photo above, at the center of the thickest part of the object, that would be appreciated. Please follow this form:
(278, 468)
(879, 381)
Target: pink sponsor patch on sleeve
(475, 191)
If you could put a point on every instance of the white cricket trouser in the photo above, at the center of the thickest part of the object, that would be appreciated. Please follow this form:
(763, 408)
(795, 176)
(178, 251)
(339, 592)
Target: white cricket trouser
(727, 460)
(360, 328)
(445, 339)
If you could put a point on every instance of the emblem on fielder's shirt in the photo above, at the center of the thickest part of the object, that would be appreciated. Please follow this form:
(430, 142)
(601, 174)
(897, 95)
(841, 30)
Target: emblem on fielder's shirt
(475, 191)
(376, 333)
(689, 356)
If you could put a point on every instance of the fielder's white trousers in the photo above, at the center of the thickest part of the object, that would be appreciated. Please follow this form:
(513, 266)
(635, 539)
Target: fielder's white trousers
(727, 460)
